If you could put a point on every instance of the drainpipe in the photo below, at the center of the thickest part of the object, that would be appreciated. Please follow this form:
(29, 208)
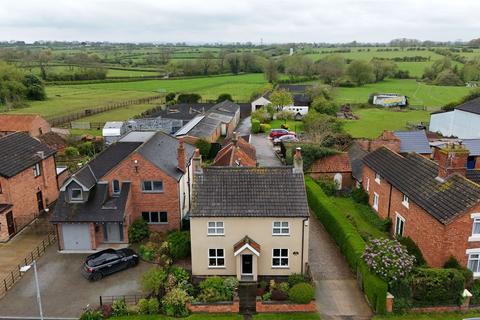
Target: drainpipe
(303, 242)
(389, 201)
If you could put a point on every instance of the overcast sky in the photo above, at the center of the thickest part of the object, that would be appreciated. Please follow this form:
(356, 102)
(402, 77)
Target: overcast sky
(241, 20)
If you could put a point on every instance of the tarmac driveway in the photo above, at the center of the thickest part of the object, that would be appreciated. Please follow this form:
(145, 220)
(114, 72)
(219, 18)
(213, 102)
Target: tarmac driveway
(64, 292)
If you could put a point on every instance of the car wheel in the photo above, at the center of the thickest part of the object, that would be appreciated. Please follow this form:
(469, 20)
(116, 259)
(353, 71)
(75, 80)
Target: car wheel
(97, 276)
(132, 263)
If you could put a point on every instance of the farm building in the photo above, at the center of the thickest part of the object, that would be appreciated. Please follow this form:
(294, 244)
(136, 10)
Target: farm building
(32, 124)
(389, 100)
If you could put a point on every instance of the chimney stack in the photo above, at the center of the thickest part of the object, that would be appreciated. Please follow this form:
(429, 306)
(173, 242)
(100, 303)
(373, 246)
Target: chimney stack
(197, 163)
(235, 138)
(182, 165)
(452, 159)
(298, 161)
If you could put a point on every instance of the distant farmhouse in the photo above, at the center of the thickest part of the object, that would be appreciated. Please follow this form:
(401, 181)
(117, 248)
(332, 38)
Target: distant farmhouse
(463, 122)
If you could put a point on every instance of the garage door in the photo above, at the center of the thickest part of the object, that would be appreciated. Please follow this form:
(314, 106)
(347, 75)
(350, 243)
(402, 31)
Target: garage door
(76, 237)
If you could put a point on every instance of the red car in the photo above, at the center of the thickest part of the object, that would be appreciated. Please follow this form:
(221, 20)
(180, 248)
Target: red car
(277, 133)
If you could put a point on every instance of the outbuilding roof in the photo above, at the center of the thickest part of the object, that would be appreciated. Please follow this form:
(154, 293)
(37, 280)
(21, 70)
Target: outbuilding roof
(472, 106)
(413, 141)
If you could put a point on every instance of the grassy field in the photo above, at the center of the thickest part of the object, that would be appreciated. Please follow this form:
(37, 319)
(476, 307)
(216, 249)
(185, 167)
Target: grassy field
(373, 121)
(122, 113)
(430, 316)
(419, 94)
(110, 72)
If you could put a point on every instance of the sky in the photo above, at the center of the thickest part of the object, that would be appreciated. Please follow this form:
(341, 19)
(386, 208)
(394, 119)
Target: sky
(195, 21)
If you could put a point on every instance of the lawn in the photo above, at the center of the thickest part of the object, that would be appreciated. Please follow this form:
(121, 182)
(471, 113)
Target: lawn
(293, 125)
(121, 113)
(130, 73)
(191, 317)
(373, 121)
(430, 316)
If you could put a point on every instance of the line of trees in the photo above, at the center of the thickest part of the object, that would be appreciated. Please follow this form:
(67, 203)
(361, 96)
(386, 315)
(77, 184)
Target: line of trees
(445, 72)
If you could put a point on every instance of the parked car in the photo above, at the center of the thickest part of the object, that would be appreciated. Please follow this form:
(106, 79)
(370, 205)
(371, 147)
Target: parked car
(285, 138)
(108, 261)
(277, 133)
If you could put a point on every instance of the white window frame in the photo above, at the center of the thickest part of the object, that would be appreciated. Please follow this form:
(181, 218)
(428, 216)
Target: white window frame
(37, 170)
(281, 257)
(72, 199)
(280, 228)
(398, 218)
(378, 178)
(216, 257)
(476, 220)
(215, 229)
(368, 185)
(151, 185)
(159, 213)
(377, 202)
(406, 201)
(476, 252)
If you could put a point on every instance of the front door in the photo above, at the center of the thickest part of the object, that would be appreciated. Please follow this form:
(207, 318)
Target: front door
(113, 232)
(10, 224)
(40, 201)
(247, 264)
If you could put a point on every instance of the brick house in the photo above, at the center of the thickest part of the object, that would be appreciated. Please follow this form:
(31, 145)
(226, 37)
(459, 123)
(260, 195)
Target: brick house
(32, 124)
(144, 174)
(249, 222)
(28, 181)
(433, 203)
(237, 152)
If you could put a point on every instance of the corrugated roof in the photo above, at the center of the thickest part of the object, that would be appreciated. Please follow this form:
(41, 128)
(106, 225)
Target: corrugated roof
(473, 145)
(413, 141)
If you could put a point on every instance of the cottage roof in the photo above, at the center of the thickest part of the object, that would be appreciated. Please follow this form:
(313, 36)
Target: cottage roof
(415, 176)
(18, 122)
(413, 141)
(249, 192)
(19, 151)
(356, 154)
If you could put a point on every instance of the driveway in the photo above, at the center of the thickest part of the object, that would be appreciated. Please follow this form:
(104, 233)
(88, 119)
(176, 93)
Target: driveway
(64, 292)
(337, 293)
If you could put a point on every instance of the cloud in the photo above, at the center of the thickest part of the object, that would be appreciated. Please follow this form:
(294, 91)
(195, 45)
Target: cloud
(232, 21)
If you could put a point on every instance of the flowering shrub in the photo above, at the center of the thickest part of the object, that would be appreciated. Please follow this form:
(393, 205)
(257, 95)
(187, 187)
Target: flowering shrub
(175, 303)
(388, 259)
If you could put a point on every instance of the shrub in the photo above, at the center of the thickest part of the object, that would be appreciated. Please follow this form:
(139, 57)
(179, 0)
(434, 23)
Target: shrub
(71, 152)
(147, 252)
(153, 281)
(279, 295)
(204, 146)
(433, 287)
(388, 259)
(224, 96)
(284, 287)
(91, 315)
(452, 263)
(87, 149)
(413, 250)
(179, 243)
(262, 115)
(231, 284)
(295, 278)
(170, 96)
(359, 195)
(119, 308)
(153, 306)
(188, 98)
(265, 127)
(138, 230)
(475, 290)
(328, 186)
(143, 306)
(285, 115)
(403, 295)
(267, 296)
(175, 303)
(302, 293)
(255, 126)
(215, 289)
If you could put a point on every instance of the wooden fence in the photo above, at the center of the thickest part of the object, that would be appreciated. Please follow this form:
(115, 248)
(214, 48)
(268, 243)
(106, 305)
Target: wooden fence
(15, 274)
(57, 121)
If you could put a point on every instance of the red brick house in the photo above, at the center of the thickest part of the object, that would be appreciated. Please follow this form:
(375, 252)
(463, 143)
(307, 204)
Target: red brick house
(144, 174)
(236, 153)
(28, 181)
(32, 124)
(431, 202)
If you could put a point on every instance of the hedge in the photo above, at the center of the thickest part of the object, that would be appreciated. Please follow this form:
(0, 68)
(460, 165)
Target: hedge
(350, 242)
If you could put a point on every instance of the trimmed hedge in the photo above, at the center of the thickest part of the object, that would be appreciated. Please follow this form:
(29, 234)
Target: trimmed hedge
(350, 242)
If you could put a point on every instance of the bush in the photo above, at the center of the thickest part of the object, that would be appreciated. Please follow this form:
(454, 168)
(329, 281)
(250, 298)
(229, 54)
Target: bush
(71, 152)
(214, 289)
(262, 115)
(284, 287)
(328, 186)
(143, 306)
(475, 290)
(231, 284)
(91, 315)
(279, 295)
(403, 295)
(153, 306)
(436, 287)
(138, 230)
(153, 281)
(285, 115)
(360, 196)
(179, 243)
(188, 98)
(265, 127)
(204, 146)
(147, 252)
(413, 249)
(119, 308)
(302, 293)
(452, 263)
(175, 303)
(170, 96)
(87, 149)
(224, 96)
(255, 126)
(296, 278)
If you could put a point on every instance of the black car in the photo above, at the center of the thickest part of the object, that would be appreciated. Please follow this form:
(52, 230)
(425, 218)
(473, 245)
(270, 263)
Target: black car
(108, 261)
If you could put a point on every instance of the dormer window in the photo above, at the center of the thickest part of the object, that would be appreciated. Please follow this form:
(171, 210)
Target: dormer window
(116, 187)
(36, 170)
(76, 195)
(406, 201)
(377, 178)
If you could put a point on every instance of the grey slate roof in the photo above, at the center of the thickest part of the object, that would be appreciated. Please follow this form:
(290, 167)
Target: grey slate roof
(184, 111)
(474, 175)
(249, 192)
(225, 107)
(413, 141)
(472, 106)
(356, 154)
(473, 145)
(99, 208)
(19, 151)
(415, 176)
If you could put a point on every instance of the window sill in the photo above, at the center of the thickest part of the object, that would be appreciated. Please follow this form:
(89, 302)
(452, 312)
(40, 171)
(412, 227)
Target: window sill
(280, 267)
(406, 205)
(476, 275)
(474, 238)
(215, 235)
(281, 235)
(155, 223)
(151, 192)
(220, 267)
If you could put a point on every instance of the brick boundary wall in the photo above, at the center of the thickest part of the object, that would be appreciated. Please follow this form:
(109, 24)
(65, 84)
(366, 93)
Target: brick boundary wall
(284, 306)
(219, 307)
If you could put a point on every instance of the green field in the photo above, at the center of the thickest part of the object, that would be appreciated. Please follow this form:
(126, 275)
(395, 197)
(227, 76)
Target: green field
(121, 113)
(373, 121)
(110, 72)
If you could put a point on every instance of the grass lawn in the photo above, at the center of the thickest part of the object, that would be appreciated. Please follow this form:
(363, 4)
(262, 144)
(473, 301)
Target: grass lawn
(286, 316)
(373, 121)
(293, 125)
(430, 316)
(191, 317)
(121, 113)
(130, 73)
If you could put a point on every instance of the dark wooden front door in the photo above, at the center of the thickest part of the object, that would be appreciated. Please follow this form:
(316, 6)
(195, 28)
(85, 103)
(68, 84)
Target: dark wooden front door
(10, 223)
(247, 264)
(40, 201)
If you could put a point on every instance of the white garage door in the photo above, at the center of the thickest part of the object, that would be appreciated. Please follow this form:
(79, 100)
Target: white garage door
(76, 237)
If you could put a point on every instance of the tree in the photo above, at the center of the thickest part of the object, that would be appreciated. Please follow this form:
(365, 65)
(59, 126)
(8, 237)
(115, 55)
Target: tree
(448, 78)
(35, 89)
(383, 69)
(322, 105)
(270, 71)
(280, 99)
(12, 89)
(206, 62)
(297, 66)
(331, 68)
(224, 96)
(360, 72)
(44, 56)
(234, 62)
(320, 128)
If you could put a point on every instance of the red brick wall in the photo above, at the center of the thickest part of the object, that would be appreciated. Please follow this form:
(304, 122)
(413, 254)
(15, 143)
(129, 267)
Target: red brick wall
(166, 201)
(346, 177)
(39, 126)
(382, 189)
(21, 191)
(285, 307)
(233, 307)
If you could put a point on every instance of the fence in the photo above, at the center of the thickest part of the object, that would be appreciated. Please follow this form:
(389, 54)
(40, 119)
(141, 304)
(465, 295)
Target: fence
(129, 299)
(84, 125)
(56, 121)
(15, 274)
